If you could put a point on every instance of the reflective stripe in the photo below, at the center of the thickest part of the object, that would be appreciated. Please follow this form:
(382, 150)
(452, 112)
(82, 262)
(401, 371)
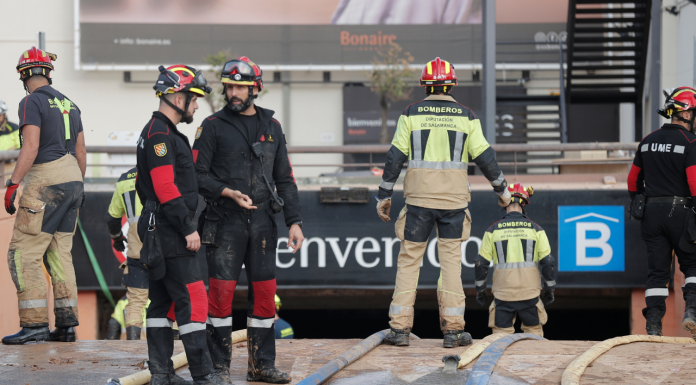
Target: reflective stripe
(677, 149)
(550, 283)
(386, 185)
(437, 165)
(454, 311)
(403, 310)
(662, 292)
(481, 283)
(515, 265)
(689, 280)
(219, 322)
(498, 181)
(529, 257)
(129, 206)
(64, 302)
(260, 323)
(190, 328)
(644, 148)
(501, 252)
(417, 150)
(159, 323)
(133, 220)
(33, 304)
(458, 144)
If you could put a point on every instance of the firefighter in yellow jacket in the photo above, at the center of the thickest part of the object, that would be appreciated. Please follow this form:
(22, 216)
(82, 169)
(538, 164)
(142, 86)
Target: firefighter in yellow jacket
(437, 136)
(517, 247)
(125, 202)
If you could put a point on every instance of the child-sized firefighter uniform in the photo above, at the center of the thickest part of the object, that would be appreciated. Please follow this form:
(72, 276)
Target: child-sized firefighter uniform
(125, 202)
(517, 247)
(437, 137)
(48, 208)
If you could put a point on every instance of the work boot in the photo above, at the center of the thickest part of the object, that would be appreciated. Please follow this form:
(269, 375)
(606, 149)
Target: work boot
(211, 379)
(454, 338)
(113, 329)
(225, 375)
(133, 333)
(27, 334)
(654, 328)
(168, 379)
(62, 334)
(398, 337)
(689, 321)
(272, 376)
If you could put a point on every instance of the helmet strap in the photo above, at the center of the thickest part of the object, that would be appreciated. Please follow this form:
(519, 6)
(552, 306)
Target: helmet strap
(690, 122)
(177, 109)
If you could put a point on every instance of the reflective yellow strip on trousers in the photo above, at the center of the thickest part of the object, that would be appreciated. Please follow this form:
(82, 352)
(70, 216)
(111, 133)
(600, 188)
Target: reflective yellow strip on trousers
(18, 269)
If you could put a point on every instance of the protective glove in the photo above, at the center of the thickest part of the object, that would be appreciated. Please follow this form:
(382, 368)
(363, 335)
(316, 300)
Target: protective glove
(504, 198)
(548, 297)
(482, 297)
(10, 195)
(383, 208)
(120, 242)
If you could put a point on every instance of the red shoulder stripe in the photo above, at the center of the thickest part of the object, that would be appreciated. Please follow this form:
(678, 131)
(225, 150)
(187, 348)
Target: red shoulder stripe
(163, 181)
(633, 178)
(687, 138)
(691, 178)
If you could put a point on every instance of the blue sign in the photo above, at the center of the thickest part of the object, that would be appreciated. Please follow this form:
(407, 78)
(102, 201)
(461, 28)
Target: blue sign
(591, 238)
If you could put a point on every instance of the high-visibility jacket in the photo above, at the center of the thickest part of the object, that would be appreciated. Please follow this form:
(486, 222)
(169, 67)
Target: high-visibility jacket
(517, 247)
(119, 313)
(438, 136)
(125, 202)
(9, 137)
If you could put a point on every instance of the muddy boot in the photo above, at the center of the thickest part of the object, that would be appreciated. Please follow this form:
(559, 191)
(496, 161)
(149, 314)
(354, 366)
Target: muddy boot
(689, 321)
(398, 337)
(454, 338)
(211, 379)
(132, 333)
(271, 376)
(168, 379)
(225, 375)
(62, 334)
(654, 328)
(27, 335)
(113, 329)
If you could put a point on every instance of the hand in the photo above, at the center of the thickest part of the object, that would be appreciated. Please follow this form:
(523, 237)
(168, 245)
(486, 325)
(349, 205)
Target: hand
(10, 195)
(482, 297)
(295, 238)
(193, 241)
(383, 208)
(504, 198)
(547, 297)
(241, 199)
(119, 243)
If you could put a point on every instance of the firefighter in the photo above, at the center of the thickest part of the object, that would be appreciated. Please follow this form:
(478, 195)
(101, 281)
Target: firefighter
(9, 132)
(517, 248)
(166, 184)
(117, 322)
(241, 158)
(52, 164)
(664, 172)
(436, 136)
(125, 202)
(283, 329)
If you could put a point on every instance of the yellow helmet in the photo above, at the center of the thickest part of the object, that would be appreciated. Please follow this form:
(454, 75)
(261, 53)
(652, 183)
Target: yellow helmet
(277, 302)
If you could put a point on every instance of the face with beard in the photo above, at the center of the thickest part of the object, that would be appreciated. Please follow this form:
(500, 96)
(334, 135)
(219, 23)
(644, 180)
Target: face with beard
(192, 107)
(238, 97)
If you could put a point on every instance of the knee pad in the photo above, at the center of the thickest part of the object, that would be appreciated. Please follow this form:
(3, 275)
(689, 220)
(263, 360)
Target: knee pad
(264, 298)
(220, 297)
(199, 301)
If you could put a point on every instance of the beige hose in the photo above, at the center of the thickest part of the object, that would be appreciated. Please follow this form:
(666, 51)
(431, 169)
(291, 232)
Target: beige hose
(476, 349)
(143, 377)
(572, 374)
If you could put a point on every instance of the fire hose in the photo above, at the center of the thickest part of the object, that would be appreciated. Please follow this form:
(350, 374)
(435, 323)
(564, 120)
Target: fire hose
(484, 366)
(455, 362)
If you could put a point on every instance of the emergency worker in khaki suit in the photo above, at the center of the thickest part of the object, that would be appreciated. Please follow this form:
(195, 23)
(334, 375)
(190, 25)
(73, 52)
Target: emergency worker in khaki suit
(52, 164)
(125, 202)
(517, 247)
(437, 136)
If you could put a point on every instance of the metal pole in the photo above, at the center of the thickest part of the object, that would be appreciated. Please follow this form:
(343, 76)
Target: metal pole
(488, 89)
(562, 104)
(655, 90)
(41, 40)
(285, 78)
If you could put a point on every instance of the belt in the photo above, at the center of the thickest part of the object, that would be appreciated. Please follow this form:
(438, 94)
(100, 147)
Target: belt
(154, 207)
(232, 205)
(668, 200)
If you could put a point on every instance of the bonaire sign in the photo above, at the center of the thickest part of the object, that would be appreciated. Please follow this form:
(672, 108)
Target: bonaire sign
(591, 238)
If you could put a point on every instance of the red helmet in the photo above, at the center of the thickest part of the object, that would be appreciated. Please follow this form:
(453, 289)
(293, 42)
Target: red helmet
(438, 72)
(520, 194)
(678, 99)
(242, 71)
(179, 78)
(35, 62)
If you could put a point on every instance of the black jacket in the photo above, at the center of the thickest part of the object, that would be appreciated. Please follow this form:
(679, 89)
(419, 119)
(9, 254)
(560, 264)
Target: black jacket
(224, 158)
(166, 173)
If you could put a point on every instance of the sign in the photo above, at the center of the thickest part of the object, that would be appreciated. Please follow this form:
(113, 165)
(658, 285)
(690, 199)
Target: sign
(592, 238)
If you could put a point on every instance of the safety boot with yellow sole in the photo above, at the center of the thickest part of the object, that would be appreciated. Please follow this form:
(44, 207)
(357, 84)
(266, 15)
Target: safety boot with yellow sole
(454, 338)
(398, 337)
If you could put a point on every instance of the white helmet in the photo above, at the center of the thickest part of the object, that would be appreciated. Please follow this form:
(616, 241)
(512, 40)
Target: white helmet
(3, 107)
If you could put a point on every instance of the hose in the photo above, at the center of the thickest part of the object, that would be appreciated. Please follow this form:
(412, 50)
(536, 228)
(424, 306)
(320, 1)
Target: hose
(95, 265)
(572, 374)
(338, 363)
(484, 366)
(476, 349)
(179, 360)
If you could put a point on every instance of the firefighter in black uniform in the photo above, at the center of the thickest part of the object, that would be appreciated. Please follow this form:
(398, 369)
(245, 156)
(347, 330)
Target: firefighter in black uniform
(241, 157)
(166, 184)
(664, 172)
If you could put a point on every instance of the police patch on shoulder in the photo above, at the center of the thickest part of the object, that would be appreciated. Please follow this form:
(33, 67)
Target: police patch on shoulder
(198, 132)
(161, 149)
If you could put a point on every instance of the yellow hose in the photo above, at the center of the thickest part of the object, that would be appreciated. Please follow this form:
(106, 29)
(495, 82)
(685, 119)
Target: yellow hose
(143, 377)
(572, 374)
(476, 349)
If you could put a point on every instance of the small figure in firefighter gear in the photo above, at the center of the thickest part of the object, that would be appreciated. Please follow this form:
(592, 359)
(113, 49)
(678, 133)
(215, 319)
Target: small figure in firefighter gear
(517, 248)
(662, 186)
(437, 137)
(9, 132)
(125, 202)
(241, 159)
(52, 164)
(166, 184)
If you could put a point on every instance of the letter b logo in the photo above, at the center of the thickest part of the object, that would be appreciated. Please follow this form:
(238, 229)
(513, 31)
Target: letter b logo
(592, 238)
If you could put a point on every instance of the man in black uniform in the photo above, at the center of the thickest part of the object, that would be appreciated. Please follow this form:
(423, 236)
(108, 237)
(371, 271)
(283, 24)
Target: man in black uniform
(664, 171)
(166, 184)
(240, 156)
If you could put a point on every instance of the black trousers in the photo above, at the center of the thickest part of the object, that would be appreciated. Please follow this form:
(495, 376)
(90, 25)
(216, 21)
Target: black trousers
(249, 239)
(180, 295)
(661, 234)
(527, 311)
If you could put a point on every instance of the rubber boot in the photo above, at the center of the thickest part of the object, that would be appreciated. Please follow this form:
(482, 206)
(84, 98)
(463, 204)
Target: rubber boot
(113, 329)
(454, 338)
(168, 379)
(26, 335)
(225, 375)
(689, 321)
(62, 334)
(271, 376)
(653, 322)
(398, 337)
(132, 333)
(211, 379)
